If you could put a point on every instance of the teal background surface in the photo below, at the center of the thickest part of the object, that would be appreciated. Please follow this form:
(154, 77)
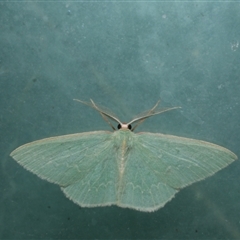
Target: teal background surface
(125, 55)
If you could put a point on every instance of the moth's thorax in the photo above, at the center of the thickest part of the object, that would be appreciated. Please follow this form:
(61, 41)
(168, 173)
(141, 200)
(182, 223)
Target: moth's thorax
(123, 135)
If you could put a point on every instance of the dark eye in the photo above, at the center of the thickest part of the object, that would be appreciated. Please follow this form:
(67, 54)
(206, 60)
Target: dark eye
(119, 126)
(129, 126)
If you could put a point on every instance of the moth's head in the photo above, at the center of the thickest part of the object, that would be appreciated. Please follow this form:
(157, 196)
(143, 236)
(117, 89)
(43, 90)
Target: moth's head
(124, 126)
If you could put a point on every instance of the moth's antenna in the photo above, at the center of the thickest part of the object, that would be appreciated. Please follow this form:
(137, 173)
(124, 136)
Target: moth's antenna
(104, 114)
(149, 114)
(141, 121)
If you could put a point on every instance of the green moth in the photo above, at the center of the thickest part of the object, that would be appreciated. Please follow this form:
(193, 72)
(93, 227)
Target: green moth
(142, 171)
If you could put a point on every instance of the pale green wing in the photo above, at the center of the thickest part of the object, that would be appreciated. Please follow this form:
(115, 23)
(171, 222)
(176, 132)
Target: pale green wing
(82, 164)
(160, 165)
(139, 171)
(140, 188)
